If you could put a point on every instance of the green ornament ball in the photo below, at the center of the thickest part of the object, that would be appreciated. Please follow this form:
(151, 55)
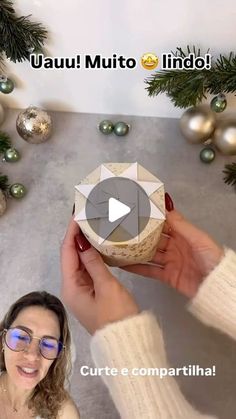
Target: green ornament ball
(121, 129)
(224, 137)
(219, 103)
(207, 155)
(106, 127)
(6, 86)
(11, 155)
(17, 190)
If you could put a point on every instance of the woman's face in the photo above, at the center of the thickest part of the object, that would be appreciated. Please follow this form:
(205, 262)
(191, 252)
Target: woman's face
(41, 322)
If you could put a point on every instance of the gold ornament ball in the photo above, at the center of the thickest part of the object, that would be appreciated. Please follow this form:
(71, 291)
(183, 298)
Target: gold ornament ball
(224, 137)
(3, 203)
(197, 124)
(34, 125)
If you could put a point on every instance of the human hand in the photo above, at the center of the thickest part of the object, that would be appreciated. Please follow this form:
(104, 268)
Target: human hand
(89, 289)
(184, 257)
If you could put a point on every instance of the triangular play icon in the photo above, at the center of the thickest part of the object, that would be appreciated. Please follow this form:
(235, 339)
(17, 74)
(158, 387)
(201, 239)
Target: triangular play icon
(116, 209)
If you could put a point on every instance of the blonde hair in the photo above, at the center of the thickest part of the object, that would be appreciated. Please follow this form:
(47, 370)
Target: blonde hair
(49, 394)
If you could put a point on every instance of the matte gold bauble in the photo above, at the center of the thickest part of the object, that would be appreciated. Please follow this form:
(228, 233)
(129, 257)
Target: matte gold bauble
(224, 137)
(197, 124)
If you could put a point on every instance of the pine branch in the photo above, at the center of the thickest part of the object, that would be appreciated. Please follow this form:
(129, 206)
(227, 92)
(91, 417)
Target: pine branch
(18, 35)
(230, 172)
(4, 142)
(3, 182)
(182, 86)
(188, 87)
(223, 76)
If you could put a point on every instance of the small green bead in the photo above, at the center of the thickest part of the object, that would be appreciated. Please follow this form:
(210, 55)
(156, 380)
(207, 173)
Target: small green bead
(17, 190)
(207, 155)
(11, 155)
(6, 86)
(121, 129)
(218, 103)
(106, 127)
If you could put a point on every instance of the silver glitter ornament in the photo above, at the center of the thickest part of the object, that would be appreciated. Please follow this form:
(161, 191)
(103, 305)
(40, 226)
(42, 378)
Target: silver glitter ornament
(197, 124)
(34, 125)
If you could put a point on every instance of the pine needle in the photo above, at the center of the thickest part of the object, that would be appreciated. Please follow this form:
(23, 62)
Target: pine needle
(230, 174)
(18, 35)
(5, 142)
(3, 182)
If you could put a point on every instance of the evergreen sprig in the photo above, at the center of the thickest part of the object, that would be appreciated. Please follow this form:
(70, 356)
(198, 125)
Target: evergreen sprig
(4, 182)
(5, 142)
(1, 61)
(18, 35)
(230, 174)
(188, 87)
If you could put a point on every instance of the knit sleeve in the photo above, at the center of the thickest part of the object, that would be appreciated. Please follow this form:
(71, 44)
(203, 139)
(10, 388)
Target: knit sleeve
(215, 301)
(135, 345)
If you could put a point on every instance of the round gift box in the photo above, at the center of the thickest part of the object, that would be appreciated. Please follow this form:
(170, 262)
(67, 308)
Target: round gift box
(139, 249)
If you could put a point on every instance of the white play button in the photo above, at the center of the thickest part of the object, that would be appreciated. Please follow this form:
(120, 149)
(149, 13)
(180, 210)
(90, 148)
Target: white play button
(117, 209)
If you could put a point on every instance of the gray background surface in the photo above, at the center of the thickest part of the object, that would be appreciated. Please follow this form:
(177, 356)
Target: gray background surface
(31, 232)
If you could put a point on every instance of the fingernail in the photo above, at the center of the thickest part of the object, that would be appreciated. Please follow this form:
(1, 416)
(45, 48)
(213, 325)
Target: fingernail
(169, 203)
(82, 242)
(73, 210)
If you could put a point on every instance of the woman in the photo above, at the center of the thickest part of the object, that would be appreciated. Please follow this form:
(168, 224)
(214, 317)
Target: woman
(35, 360)
(187, 259)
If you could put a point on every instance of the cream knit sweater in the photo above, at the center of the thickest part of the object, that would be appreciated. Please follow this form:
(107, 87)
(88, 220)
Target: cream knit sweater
(137, 342)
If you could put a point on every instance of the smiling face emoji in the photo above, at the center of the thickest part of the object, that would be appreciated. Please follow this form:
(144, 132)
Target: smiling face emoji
(149, 61)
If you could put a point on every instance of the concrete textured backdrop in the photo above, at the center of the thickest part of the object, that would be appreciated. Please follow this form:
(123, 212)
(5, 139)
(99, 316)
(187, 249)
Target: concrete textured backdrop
(31, 232)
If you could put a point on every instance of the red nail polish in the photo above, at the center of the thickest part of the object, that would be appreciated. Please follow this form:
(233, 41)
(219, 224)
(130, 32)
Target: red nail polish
(82, 242)
(169, 203)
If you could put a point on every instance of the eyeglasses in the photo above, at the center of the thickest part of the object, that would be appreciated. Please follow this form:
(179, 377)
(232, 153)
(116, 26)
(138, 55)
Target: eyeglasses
(18, 339)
